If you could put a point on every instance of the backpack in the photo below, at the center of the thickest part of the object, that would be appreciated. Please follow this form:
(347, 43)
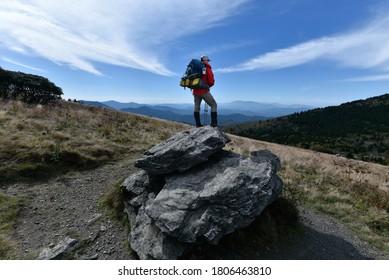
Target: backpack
(193, 74)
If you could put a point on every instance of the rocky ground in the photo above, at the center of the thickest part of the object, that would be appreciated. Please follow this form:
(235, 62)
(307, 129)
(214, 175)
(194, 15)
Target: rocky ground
(70, 206)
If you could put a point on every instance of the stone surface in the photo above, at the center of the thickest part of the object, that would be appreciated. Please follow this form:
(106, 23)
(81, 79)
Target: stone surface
(150, 242)
(217, 198)
(183, 151)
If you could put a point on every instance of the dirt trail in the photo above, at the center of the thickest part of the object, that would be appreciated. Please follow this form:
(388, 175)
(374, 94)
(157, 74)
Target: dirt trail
(69, 205)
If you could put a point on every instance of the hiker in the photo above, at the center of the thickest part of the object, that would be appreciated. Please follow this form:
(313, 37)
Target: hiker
(205, 94)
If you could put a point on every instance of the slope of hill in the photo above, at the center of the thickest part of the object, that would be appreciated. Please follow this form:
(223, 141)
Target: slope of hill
(358, 129)
(61, 163)
(41, 140)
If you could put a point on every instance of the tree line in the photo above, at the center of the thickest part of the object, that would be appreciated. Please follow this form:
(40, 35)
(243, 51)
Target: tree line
(358, 129)
(27, 88)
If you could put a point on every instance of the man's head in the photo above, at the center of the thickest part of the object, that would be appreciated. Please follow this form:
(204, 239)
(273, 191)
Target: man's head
(204, 58)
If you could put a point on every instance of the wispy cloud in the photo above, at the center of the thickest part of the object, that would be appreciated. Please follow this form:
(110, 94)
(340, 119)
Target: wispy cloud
(22, 65)
(370, 78)
(367, 48)
(225, 47)
(126, 33)
(309, 88)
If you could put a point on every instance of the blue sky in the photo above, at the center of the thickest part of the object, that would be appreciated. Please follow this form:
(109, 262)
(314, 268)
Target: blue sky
(311, 52)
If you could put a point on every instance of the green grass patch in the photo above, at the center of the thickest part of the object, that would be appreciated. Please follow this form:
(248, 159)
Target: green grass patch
(9, 208)
(114, 202)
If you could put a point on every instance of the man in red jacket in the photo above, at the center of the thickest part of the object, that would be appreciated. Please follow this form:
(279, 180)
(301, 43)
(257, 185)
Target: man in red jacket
(205, 94)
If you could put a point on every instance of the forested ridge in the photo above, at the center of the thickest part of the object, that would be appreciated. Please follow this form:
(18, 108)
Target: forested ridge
(358, 129)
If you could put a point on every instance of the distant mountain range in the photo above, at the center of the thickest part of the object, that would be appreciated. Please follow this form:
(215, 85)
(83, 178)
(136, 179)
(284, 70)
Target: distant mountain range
(228, 113)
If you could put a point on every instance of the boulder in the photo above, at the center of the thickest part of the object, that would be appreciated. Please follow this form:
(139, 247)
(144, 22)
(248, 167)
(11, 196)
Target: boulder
(217, 198)
(172, 207)
(183, 151)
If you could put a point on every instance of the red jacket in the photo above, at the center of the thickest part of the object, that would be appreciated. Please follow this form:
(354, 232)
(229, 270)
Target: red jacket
(208, 78)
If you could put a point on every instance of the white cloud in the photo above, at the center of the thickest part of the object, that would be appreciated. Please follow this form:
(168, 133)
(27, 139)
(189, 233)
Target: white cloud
(21, 64)
(224, 47)
(120, 32)
(367, 48)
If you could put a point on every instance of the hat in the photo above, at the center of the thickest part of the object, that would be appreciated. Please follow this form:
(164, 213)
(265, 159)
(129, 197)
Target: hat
(204, 57)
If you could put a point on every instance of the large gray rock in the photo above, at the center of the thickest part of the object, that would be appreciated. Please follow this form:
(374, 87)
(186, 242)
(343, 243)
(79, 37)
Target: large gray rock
(189, 204)
(183, 151)
(217, 198)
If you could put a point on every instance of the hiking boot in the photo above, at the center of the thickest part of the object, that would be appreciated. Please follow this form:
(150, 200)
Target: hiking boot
(214, 119)
(197, 119)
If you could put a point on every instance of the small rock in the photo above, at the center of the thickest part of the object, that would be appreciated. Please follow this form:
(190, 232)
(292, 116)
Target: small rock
(94, 218)
(94, 257)
(53, 253)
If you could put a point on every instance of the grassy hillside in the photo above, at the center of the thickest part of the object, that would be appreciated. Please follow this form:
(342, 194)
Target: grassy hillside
(37, 142)
(41, 141)
(358, 129)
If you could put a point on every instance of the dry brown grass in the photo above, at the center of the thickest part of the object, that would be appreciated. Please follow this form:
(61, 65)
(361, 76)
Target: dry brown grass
(350, 171)
(38, 140)
(355, 192)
